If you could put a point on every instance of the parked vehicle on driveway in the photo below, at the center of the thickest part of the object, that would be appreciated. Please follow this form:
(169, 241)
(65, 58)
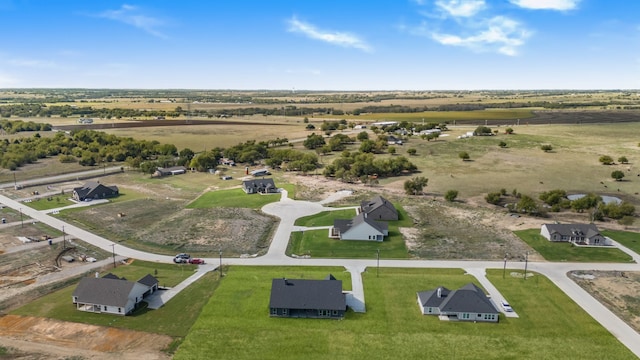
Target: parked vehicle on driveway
(196, 261)
(505, 305)
(179, 260)
(183, 256)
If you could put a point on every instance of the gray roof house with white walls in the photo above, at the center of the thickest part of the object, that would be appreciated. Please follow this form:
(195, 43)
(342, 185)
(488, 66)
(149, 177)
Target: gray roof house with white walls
(360, 227)
(579, 234)
(302, 298)
(111, 294)
(469, 303)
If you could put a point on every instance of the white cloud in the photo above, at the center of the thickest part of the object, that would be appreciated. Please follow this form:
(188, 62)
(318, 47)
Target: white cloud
(560, 5)
(461, 8)
(499, 34)
(130, 15)
(32, 63)
(336, 38)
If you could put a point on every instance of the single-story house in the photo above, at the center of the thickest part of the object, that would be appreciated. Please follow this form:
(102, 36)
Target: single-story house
(580, 234)
(469, 303)
(94, 190)
(379, 208)
(174, 170)
(301, 298)
(360, 227)
(263, 186)
(392, 140)
(111, 294)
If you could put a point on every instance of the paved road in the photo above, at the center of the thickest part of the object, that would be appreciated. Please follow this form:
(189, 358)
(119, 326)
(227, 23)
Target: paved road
(63, 177)
(288, 210)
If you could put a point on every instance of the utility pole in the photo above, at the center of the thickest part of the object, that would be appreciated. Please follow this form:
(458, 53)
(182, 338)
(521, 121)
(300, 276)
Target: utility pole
(220, 266)
(378, 264)
(113, 251)
(15, 184)
(505, 265)
(64, 246)
(526, 261)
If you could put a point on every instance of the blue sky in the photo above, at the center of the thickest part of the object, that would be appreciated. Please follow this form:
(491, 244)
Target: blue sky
(321, 44)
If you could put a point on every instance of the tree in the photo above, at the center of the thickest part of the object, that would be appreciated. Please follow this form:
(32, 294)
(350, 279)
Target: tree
(508, 131)
(415, 185)
(623, 160)
(502, 144)
(617, 175)
(362, 136)
(546, 148)
(313, 141)
(527, 204)
(391, 150)
(305, 120)
(464, 155)
(606, 160)
(553, 197)
(451, 195)
(412, 151)
(482, 131)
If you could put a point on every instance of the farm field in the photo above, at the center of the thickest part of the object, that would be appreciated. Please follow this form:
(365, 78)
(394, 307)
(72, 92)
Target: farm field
(236, 322)
(564, 251)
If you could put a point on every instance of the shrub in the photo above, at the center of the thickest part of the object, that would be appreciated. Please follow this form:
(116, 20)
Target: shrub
(546, 148)
(451, 195)
(493, 198)
(606, 160)
(464, 156)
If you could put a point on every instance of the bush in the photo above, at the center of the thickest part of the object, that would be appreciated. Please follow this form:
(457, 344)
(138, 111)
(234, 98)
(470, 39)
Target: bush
(502, 144)
(464, 156)
(451, 195)
(493, 198)
(606, 160)
(546, 148)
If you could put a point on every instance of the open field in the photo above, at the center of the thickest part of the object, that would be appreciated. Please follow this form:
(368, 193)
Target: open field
(617, 290)
(564, 251)
(234, 198)
(236, 322)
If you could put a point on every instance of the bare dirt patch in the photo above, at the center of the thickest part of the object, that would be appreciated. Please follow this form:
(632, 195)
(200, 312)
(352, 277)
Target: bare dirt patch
(166, 224)
(617, 290)
(55, 339)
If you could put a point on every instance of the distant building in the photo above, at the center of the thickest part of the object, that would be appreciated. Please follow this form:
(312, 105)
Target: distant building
(94, 190)
(174, 170)
(259, 186)
(85, 121)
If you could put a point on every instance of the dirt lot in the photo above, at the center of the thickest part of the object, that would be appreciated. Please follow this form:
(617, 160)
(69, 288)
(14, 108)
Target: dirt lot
(38, 338)
(617, 290)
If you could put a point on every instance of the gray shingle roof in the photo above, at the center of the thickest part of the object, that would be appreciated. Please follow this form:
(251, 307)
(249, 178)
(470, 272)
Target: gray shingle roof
(148, 280)
(587, 230)
(469, 299)
(344, 225)
(430, 298)
(259, 184)
(379, 202)
(103, 291)
(307, 294)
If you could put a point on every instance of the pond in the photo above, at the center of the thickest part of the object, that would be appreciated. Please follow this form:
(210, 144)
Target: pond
(606, 199)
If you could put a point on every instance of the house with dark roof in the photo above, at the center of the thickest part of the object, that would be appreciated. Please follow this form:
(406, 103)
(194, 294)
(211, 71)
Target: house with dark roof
(174, 170)
(469, 303)
(111, 294)
(302, 298)
(361, 227)
(94, 190)
(579, 234)
(262, 186)
(379, 208)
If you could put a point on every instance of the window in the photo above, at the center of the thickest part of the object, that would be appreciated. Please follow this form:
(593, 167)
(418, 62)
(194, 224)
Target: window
(430, 310)
(274, 311)
(335, 312)
(284, 311)
(119, 310)
(105, 308)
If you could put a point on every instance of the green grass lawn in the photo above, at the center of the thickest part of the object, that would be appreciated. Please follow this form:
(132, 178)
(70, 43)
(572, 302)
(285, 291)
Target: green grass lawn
(325, 218)
(235, 198)
(45, 204)
(626, 238)
(174, 318)
(318, 244)
(564, 251)
(236, 322)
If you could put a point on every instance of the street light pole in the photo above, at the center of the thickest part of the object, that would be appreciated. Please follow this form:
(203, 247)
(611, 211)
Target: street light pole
(505, 264)
(378, 264)
(526, 261)
(113, 251)
(64, 246)
(220, 267)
